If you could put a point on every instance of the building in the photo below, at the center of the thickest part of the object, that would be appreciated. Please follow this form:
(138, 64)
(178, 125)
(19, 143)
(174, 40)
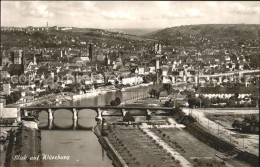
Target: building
(224, 92)
(90, 49)
(18, 57)
(7, 89)
(131, 80)
(4, 59)
(9, 115)
(157, 48)
(107, 60)
(19, 63)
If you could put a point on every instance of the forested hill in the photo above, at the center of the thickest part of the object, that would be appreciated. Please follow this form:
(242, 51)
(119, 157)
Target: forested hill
(216, 31)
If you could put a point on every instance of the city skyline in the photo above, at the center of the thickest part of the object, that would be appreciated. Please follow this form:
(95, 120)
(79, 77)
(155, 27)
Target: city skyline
(119, 14)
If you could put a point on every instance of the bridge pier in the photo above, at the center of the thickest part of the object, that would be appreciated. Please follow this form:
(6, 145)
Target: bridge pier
(208, 79)
(240, 75)
(196, 80)
(220, 80)
(50, 118)
(75, 118)
(231, 78)
(99, 115)
(123, 111)
(25, 112)
(173, 79)
(148, 112)
(184, 78)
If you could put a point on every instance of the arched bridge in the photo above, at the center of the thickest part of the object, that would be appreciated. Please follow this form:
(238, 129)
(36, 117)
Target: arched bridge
(100, 110)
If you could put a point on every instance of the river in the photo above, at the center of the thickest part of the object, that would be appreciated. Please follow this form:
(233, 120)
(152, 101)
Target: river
(81, 145)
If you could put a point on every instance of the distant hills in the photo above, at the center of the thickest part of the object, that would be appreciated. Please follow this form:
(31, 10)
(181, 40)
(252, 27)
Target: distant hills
(218, 31)
(20, 37)
(134, 31)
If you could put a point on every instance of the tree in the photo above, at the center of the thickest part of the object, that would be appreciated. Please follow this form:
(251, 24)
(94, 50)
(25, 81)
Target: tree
(168, 104)
(206, 102)
(231, 103)
(254, 61)
(154, 93)
(118, 100)
(145, 79)
(168, 88)
(9, 100)
(148, 117)
(246, 67)
(128, 117)
(236, 95)
(193, 101)
(13, 97)
(237, 124)
(174, 111)
(113, 103)
(237, 66)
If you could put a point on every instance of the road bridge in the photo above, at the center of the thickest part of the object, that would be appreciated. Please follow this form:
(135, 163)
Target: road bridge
(34, 111)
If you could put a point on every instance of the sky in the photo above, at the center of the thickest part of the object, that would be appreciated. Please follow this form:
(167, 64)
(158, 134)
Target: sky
(126, 14)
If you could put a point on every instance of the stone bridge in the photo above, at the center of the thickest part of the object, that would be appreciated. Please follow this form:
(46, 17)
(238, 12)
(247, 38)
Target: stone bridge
(34, 111)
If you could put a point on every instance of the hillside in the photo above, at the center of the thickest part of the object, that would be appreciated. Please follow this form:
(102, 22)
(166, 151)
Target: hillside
(216, 31)
(111, 33)
(133, 31)
(50, 38)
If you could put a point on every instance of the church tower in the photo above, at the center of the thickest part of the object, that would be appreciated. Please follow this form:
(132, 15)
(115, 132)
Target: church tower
(157, 48)
(34, 60)
(18, 57)
(23, 62)
(90, 49)
(107, 60)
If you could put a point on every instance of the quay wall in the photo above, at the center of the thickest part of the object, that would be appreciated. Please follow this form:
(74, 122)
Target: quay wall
(214, 141)
(24, 148)
(118, 161)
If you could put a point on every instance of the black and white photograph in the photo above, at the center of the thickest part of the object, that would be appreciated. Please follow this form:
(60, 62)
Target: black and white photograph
(129, 83)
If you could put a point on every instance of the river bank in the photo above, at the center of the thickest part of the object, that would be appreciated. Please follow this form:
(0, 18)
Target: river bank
(80, 156)
(225, 147)
(118, 161)
(24, 148)
(105, 90)
(128, 139)
(249, 143)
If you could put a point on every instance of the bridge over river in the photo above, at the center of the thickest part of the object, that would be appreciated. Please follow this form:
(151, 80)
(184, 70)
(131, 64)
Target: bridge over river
(101, 111)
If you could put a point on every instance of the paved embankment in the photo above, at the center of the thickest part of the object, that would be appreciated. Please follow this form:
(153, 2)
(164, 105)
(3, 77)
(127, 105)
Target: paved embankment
(118, 161)
(24, 148)
(232, 136)
(213, 140)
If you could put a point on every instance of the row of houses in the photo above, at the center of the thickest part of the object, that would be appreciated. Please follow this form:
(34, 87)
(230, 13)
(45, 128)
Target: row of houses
(224, 92)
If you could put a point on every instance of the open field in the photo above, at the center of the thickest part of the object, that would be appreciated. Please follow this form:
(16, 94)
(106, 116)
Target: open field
(195, 151)
(137, 149)
(227, 119)
(249, 143)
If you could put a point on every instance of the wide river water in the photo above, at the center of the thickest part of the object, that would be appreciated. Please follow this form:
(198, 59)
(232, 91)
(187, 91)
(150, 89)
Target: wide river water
(81, 145)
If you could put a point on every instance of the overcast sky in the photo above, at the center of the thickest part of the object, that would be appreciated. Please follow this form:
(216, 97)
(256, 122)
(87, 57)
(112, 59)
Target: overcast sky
(137, 14)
